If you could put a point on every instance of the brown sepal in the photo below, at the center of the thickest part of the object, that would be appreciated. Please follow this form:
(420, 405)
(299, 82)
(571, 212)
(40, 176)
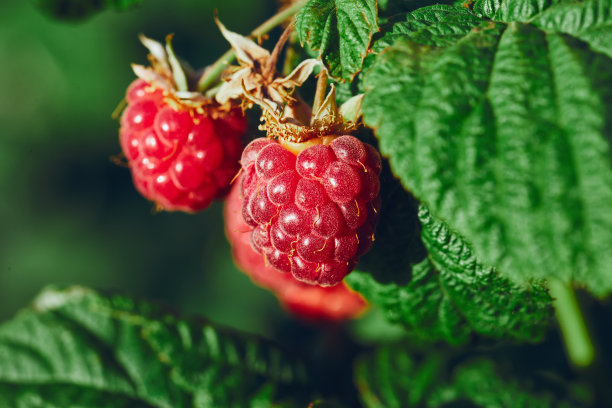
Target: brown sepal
(169, 74)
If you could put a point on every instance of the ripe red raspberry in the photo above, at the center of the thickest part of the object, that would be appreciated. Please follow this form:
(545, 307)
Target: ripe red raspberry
(313, 214)
(306, 301)
(181, 158)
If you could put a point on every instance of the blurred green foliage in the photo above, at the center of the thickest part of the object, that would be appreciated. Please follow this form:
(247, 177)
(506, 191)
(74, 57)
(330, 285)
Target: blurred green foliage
(79, 9)
(69, 215)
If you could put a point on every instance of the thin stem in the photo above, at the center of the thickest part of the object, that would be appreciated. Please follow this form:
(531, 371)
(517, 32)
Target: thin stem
(320, 92)
(290, 55)
(271, 68)
(573, 328)
(213, 72)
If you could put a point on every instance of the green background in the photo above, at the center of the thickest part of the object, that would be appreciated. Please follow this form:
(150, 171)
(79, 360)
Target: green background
(69, 215)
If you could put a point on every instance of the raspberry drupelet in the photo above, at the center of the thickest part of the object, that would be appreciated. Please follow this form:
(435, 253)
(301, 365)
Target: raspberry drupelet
(309, 302)
(180, 156)
(312, 214)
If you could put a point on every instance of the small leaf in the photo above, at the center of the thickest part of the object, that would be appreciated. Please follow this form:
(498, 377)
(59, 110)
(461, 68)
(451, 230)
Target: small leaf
(404, 376)
(490, 303)
(340, 30)
(351, 108)
(426, 278)
(505, 135)
(392, 378)
(76, 346)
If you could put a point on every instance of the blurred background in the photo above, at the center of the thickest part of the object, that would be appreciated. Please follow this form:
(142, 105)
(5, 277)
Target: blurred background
(71, 216)
(68, 215)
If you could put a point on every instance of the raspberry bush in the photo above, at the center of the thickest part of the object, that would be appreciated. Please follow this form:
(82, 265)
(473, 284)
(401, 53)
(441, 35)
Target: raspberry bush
(428, 194)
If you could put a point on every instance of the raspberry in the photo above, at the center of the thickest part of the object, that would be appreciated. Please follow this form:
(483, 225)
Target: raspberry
(180, 157)
(318, 211)
(306, 301)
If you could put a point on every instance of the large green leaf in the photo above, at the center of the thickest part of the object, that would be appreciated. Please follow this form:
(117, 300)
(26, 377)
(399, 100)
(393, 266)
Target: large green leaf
(340, 30)
(437, 25)
(590, 21)
(76, 348)
(80, 9)
(505, 135)
(437, 288)
(399, 376)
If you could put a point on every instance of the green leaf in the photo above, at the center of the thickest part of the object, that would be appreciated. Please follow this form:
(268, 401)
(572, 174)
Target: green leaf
(75, 346)
(449, 294)
(590, 21)
(507, 11)
(505, 135)
(340, 30)
(400, 376)
(80, 9)
(390, 377)
(437, 25)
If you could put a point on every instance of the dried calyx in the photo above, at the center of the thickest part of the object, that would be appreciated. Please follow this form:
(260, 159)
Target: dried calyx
(256, 79)
(175, 78)
(285, 116)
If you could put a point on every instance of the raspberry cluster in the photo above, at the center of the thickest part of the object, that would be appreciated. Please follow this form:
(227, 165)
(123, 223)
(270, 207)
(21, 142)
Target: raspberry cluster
(313, 214)
(181, 158)
(310, 302)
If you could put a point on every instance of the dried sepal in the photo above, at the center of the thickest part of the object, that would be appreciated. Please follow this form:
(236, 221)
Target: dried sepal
(326, 121)
(175, 78)
(256, 78)
(299, 75)
(157, 53)
(178, 72)
(328, 114)
(285, 116)
(153, 76)
(248, 52)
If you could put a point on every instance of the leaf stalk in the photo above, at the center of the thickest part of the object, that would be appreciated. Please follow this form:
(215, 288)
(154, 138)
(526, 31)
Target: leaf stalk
(578, 343)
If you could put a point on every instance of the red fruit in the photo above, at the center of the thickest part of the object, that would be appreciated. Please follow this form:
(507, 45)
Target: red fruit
(342, 182)
(304, 300)
(273, 159)
(180, 157)
(349, 149)
(312, 162)
(315, 207)
(310, 194)
(281, 189)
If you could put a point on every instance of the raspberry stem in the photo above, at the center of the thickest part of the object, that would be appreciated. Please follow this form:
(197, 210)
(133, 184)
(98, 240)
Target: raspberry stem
(571, 322)
(213, 72)
(290, 55)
